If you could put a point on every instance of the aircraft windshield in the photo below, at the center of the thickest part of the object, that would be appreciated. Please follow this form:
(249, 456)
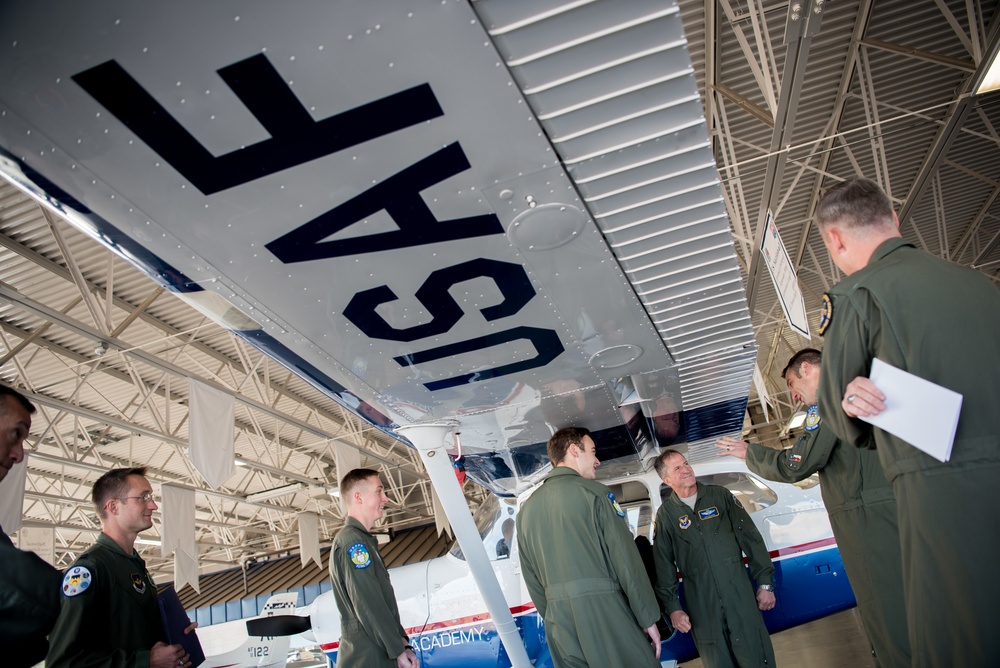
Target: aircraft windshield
(495, 522)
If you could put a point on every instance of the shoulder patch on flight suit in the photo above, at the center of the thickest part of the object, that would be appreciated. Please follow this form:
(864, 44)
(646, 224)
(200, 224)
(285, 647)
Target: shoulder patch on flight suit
(812, 418)
(76, 581)
(138, 583)
(684, 522)
(614, 504)
(825, 315)
(708, 513)
(359, 555)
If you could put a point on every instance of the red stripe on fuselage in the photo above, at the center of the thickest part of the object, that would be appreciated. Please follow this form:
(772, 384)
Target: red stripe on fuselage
(528, 607)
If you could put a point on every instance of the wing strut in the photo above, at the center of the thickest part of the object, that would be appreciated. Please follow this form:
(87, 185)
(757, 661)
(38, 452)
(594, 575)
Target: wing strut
(429, 440)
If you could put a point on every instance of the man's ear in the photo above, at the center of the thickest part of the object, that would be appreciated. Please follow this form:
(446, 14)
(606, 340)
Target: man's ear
(836, 237)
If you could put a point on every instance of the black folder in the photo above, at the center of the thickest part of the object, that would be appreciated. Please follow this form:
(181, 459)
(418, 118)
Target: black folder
(175, 620)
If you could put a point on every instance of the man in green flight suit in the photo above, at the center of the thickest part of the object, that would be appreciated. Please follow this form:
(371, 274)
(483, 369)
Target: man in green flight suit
(581, 566)
(939, 321)
(703, 531)
(29, 587)
(859, 501)
(110, 617)
(371, 634)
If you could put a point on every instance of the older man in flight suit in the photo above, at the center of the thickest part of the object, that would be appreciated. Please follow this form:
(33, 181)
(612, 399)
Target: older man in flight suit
(939, 321)
(703, 531)
(581, 565)
(371, 634)
(29, 587)
(860, 503)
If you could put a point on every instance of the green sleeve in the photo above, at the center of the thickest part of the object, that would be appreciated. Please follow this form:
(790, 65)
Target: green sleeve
(845, 357)
(534, 586)
(29, 602)
(376, 614)
(624, 559)
(667, 584)
(85, 617)
(813, 449)
(750, 541)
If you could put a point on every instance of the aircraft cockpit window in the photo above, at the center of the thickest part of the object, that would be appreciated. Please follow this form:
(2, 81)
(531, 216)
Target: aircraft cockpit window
(495, 522)
(749, 490)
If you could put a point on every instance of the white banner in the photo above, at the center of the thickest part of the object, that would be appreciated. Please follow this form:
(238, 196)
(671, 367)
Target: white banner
(210, 432)
(40, 540)
(440, 518)
(348, 459)
(12, 496)
(309, 539)
(177, 534)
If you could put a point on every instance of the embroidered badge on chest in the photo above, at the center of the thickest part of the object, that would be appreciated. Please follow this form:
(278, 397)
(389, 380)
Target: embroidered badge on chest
(76, 581)
(825, 315)
(684, 522)
(359, 555)
(139, 583)
(812, 418)
(614, 504)
(708, 513)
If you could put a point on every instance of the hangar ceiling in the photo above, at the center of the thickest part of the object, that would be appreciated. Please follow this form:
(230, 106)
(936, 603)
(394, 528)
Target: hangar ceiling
(879, 88)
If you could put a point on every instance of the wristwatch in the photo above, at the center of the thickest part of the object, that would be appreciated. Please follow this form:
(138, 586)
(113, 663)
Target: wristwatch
(766, 587)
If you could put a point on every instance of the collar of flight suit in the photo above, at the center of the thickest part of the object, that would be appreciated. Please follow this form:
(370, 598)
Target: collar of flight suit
(561, 471)
(886, 247)
(109, 542)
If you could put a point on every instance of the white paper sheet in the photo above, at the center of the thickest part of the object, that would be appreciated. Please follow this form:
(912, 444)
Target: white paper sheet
(923, 414)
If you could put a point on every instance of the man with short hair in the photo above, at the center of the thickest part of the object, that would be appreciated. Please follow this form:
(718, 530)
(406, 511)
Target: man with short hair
(29, 595)
(859, 501)
(939, 321)
(703, 531)
(371, 634)
(581, 566)
(110, 616)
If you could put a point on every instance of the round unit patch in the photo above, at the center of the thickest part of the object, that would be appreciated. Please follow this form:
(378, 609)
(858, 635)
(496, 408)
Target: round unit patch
(812, 418)
(359, 555)
(826, 315)
(76, 581)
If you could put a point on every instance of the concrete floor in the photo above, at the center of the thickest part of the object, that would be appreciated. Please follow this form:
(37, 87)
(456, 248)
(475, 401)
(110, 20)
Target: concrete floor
(838, 640)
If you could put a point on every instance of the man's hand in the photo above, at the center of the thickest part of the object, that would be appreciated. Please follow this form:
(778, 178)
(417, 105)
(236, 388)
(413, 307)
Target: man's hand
(862, 398)
(162, 655)
(680, 621)
(765, 599)
(407, 659)
(731, 447)
(654, 637)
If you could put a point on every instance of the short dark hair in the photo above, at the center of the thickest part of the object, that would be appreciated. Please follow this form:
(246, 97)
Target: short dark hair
(112, 485)
(560, 441)
(810, 355)
(855, 203)
(660, 464)
(21, 399)
(352, 479)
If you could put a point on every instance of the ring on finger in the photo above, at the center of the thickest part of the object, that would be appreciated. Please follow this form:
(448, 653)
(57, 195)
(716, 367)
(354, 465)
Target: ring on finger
(851, 398)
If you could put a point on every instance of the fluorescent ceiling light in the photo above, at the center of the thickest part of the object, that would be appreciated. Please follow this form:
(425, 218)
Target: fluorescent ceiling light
(798, 419)
(274, 493)
(334, 492)
(992, 79)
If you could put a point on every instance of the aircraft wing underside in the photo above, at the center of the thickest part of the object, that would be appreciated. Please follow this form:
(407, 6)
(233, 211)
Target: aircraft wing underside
(502, 213)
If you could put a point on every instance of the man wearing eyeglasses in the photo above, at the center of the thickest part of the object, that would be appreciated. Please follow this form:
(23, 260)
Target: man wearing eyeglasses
(109, 614)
